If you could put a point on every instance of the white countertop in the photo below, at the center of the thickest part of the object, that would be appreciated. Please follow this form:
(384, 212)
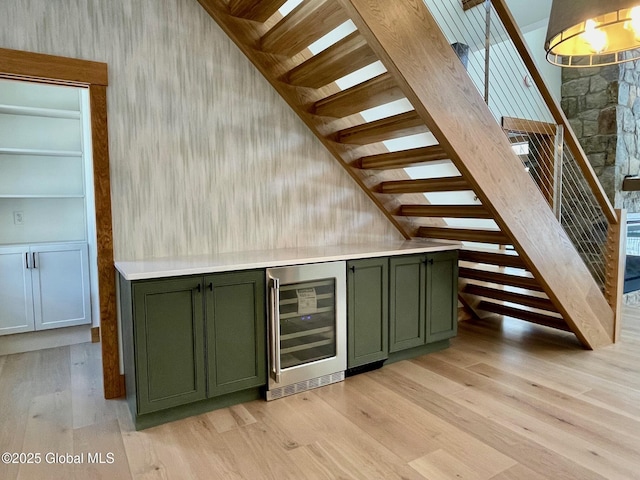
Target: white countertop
(233, 261)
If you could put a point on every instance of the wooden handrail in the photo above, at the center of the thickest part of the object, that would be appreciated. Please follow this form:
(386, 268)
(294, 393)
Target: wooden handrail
(558, 115)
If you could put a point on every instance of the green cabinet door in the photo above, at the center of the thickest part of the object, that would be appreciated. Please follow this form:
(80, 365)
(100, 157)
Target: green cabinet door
(442, 296)
(236, 325)
(169, 343)
(367, 311)
(407, 302)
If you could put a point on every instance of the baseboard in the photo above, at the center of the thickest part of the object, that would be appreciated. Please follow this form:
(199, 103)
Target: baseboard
(56, 337)
(95, 335)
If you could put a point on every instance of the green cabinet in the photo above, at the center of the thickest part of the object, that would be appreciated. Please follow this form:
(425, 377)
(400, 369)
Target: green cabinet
(422, 300)
(192, 339)
(367, 311)
(169, 342)
(407, 302)
(236, 332)
(442, 296)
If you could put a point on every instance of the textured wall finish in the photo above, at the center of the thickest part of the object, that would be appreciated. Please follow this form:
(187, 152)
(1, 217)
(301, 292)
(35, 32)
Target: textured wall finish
(205, 156)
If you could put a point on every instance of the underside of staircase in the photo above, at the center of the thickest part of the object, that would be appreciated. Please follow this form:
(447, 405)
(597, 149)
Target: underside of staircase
(536, 275)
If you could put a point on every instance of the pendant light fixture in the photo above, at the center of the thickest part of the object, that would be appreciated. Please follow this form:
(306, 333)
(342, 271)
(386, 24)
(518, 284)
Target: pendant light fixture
(590, 33)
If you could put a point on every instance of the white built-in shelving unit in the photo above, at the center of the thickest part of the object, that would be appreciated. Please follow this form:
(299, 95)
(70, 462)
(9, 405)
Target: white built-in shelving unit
(46, 207)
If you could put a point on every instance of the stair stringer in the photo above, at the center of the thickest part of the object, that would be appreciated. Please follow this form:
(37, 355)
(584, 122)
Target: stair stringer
(411, 46)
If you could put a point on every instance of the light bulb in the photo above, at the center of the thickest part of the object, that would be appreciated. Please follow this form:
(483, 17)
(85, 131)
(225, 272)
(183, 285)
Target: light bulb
(596, 39)
(634, 23)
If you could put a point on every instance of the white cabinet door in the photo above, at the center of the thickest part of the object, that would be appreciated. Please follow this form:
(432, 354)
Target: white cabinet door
(60, 277)
(16, 298)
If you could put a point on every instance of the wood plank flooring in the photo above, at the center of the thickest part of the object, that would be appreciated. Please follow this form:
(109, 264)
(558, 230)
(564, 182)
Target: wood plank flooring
(508, 401)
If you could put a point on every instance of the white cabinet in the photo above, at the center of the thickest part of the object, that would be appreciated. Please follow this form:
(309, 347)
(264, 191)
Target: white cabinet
(16, 297)
(43, 287)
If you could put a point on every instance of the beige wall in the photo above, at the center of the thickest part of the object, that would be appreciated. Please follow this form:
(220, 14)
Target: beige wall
(205, 156)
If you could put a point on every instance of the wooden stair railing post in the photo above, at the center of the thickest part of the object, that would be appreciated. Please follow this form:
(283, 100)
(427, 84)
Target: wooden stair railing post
(569, 136)
(411, 46)
(616, 260)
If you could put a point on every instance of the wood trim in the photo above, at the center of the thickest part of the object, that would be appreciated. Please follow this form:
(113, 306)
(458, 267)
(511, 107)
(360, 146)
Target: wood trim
(616, 261)
(469, 4)
(558, 115)
(54, 69)
(50, 67)
(458, 117)
(533, 127)
(95, 335)
(106, 273)
(631, 184)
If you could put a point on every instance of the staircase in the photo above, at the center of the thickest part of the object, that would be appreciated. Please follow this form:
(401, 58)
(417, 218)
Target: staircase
(536, 275)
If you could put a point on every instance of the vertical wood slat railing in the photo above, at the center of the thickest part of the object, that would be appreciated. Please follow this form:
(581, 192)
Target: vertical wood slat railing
(616, 233)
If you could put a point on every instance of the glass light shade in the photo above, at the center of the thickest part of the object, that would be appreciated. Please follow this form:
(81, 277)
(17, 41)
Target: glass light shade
(593, 32)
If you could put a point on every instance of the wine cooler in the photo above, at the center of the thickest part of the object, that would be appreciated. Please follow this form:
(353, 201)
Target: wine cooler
(307, 327)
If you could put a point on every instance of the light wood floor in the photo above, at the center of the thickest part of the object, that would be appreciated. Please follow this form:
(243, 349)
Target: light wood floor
(508, 401)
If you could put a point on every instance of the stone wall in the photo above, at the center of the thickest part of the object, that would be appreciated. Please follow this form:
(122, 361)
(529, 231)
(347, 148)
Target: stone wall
(603, 107)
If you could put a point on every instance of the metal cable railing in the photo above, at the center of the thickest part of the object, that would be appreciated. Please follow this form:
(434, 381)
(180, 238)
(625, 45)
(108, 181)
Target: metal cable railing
(519, 106)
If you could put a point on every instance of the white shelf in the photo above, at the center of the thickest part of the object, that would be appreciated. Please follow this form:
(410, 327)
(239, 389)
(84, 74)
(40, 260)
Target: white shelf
(38, 112)
(39, 152)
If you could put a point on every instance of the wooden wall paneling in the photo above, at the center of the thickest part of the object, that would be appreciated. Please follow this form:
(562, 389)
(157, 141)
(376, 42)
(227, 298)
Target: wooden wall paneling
(410, 44)
(54, 69)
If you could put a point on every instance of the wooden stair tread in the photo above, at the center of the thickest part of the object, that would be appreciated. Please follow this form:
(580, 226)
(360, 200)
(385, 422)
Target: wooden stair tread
(372, 93)
(259, 11)
(528, 315)
(308, 22)
(342, 58)
(465, 234)
(528, 300)
(443, 184)
(396, 126)
(503, 258)
(500, 278)
(445, 211)
(403, 158)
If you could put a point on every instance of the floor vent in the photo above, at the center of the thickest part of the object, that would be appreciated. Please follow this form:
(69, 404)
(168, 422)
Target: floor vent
(304, 385)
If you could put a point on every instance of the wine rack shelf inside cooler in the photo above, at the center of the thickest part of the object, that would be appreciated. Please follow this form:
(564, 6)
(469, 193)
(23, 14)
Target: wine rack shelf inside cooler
(308, 335)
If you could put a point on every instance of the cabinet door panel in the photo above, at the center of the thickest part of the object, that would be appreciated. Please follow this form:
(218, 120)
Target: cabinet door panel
(169, 331)
(16, 301)
(235, 310)
(367, 311)
(442, 304)
(60, 275)
(407, 302)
